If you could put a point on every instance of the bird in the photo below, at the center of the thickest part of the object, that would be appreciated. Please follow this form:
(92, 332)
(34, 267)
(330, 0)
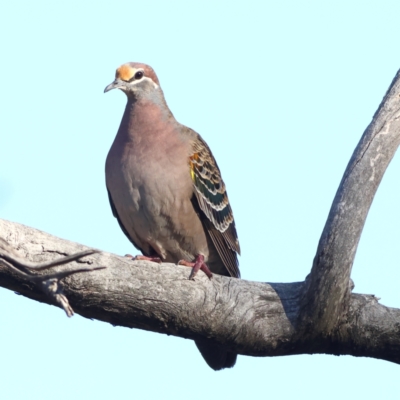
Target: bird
(166, 191)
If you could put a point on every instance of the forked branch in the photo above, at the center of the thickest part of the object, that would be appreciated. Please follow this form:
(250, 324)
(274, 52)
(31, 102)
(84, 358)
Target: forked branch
(320, 315)
(326, 299)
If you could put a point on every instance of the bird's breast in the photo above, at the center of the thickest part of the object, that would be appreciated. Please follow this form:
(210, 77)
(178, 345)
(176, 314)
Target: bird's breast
(150, 176)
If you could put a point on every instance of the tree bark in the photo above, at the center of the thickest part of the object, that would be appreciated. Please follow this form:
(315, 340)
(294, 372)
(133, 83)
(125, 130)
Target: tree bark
(319, 315)
(326, 299)
(254, 318)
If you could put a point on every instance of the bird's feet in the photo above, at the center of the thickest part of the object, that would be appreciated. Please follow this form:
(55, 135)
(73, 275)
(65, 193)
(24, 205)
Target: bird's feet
(140, 257)
(197, 265)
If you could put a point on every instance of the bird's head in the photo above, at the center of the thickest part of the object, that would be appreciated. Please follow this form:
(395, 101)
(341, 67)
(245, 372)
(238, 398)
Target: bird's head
(135, 80)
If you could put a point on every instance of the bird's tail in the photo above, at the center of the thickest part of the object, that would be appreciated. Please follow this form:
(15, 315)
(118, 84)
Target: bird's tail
(216, 356)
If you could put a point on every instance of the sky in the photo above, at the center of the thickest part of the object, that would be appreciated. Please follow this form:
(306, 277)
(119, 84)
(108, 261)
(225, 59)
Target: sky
(281, 92)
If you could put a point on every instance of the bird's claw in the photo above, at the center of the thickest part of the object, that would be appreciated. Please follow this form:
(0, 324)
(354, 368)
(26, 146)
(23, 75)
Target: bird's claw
(197, 265)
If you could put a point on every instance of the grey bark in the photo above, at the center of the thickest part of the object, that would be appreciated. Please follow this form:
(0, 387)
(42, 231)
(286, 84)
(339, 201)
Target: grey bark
(49, 281)
(319, 315)
(326, 298)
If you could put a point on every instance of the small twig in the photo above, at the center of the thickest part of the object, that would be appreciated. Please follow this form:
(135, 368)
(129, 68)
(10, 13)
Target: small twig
(49, 282)
(57, 275)
(6, 250)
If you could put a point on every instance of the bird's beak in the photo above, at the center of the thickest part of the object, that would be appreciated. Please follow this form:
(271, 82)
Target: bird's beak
(117, 84)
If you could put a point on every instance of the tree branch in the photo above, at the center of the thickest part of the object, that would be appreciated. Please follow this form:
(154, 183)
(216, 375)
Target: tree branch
(319, 315)
(256, 319)
(326, 299)
(48, 282)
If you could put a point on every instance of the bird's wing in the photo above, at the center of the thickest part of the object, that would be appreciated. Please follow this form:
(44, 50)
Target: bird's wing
(210, 193)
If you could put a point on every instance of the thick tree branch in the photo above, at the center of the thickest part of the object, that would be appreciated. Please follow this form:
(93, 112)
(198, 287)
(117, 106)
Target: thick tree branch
(254, 318)
(320, 315)
(327, 296)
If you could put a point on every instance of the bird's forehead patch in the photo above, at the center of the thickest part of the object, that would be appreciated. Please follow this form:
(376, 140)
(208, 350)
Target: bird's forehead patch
(125, 72)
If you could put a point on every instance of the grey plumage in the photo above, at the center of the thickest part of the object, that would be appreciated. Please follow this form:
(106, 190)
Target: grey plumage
(166, 190)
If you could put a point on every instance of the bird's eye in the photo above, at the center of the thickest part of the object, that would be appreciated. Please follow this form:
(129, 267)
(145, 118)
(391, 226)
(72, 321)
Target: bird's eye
(139, 75)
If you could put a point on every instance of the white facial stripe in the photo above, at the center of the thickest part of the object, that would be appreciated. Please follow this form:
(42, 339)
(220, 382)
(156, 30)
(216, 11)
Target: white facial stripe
(150, 80)
(145, 78)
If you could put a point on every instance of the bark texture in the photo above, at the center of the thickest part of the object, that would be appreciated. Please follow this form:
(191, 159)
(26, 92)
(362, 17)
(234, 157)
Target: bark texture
(319, 315)
(326, 299)
(254, 318)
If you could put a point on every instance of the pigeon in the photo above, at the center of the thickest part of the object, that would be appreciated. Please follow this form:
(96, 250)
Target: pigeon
(166, 190)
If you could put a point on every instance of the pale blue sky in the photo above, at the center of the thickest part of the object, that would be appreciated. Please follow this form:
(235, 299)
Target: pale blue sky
(281, 91)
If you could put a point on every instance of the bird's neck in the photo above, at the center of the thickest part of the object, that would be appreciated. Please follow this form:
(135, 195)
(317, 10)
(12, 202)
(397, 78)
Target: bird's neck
(144, 119)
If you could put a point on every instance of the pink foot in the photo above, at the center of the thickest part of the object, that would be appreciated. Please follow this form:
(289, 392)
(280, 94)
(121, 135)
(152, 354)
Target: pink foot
(140, 257)
(197, 265)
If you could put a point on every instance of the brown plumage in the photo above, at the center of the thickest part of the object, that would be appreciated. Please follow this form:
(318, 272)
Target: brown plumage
(166, 190)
